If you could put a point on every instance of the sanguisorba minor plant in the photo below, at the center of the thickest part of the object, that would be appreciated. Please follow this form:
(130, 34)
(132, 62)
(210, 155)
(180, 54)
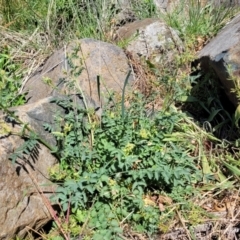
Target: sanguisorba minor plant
(106, 181)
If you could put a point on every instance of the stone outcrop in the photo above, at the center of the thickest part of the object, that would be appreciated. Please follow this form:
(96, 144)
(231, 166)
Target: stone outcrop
(150, 39)
(22, 207)
(222, 54)
(80, 63)
(37, 114)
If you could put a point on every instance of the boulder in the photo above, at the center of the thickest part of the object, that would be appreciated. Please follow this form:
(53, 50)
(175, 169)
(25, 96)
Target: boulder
(79, 64)
(151, 39)
(222, 54)
(225, 3)
(22, 207)
(39, 113)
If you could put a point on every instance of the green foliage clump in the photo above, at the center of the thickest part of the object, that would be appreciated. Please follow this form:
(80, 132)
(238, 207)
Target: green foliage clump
(128, 159)
(10, 81)
(196, 22)
(23, 15)
(110, 164)
(63, 19)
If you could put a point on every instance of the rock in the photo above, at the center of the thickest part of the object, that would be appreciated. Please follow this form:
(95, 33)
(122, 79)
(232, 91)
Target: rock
(222, 54)
(21, 206)
(150, 38)
(225, 3)
(87, 59)
(41, 84)
(126, 32)
(37, 114)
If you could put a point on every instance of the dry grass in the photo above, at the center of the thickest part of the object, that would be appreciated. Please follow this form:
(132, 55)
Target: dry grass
(221, 220)
(28, 51)
(146, 82)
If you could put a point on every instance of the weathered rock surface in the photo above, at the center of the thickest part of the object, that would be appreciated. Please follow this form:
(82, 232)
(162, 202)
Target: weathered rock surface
(21, 206)
(223, 55)
(150, 39)
(39, 113)
(225, 3)
(88, 58)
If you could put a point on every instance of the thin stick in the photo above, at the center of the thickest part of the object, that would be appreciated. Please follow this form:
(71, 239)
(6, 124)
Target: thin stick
(46, 201)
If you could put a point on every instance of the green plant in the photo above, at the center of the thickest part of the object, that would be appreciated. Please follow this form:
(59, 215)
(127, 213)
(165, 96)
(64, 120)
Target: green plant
(10, 81)
(111, 165)
(197, 21)
(79, 19)
(208, 108)
(23, 14)
(129, 158)
(144, 9)
(76, 18)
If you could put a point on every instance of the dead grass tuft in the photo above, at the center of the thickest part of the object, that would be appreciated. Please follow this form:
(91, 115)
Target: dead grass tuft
(146, 82)
(30, 52)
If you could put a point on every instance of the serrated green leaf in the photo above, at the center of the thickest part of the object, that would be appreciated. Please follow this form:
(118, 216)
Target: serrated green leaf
(114, 223)
(104, 178)
(90, 188)
(188, 99)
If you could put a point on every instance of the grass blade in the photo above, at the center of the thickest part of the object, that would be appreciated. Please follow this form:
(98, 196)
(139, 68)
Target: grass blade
(123, 93)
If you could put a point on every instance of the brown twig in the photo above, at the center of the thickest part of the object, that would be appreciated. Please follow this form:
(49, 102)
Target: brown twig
(46, 201)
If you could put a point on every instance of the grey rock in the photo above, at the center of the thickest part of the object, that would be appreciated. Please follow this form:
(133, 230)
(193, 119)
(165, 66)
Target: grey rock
(150, 39)
(91, 58)
(222, 54)
(21, 206)
(225, 3)
(39, 113)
